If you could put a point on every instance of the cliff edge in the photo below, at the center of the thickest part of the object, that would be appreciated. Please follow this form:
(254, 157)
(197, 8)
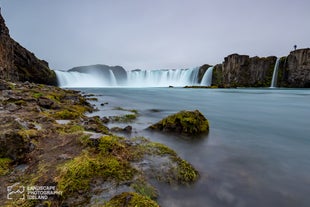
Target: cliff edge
(19, 64)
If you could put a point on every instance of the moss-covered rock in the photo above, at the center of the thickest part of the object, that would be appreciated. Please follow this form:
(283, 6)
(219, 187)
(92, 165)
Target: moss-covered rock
(167, 166)
(183, 122)
(5, 166)
(76, 174)
(13, 143)
(130, 199)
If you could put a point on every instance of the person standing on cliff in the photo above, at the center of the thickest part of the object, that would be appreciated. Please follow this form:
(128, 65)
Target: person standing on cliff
(295, 46)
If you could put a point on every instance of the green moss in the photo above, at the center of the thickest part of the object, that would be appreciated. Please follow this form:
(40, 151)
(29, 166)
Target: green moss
(111, 144)
(37, 95)
(5, 166)
(66, 114)
(119, 147)
(187, 122)
(55, 96)
(131, 200)
(184, 171)
(145, 189)
(122, 109)
(12, 85)
(96, 124)
(124, 118)
(77, 174)
(160, 149)
(69, 128)
(28, 133)
(84, 140)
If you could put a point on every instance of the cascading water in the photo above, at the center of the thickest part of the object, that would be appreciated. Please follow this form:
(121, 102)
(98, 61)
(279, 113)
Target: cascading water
(112, 78)
(134, 78)
(275, 74)
(207, 77)
(81, 80)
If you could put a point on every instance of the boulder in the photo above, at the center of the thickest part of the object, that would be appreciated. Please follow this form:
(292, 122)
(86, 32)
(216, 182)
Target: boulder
(183, 122)
(45, 102)
(12, 144)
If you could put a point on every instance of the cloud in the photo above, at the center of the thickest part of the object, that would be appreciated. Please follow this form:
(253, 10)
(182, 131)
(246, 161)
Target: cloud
(155, 34)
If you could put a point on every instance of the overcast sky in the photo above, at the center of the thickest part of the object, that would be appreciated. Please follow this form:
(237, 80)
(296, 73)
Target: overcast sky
(154, 34)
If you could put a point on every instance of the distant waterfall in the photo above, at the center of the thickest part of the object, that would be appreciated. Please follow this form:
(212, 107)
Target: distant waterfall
(134, 78)
(275, 74)
(207, 77)
(113, 80)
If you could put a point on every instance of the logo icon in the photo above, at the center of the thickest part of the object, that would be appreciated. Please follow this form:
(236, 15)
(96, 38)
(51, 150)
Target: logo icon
(16, 191)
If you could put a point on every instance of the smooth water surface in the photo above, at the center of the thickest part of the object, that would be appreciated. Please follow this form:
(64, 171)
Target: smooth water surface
(256, 154)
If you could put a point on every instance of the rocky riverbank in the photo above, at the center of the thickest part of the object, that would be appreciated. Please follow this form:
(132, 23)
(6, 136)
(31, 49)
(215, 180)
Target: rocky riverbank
(47, 141)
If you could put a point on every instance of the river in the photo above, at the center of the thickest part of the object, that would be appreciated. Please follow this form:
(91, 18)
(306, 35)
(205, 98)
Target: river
(257, 152)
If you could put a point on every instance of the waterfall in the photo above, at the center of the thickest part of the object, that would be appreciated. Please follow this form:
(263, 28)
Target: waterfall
(134, 78)
(275, 74)
(77, 79)
(162, 78)
(112, 78)
(207, 77)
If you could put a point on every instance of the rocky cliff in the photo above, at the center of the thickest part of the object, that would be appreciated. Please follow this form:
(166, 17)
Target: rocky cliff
(296, 69)
(18, 64)
(244, 71)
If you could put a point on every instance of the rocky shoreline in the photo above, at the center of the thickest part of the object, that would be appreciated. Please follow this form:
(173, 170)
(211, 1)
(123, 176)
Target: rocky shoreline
(47, 140)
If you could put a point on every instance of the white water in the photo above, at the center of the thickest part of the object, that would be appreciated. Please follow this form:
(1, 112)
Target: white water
(76, 79)
(135, 78)
(207, 77)
(275, 74)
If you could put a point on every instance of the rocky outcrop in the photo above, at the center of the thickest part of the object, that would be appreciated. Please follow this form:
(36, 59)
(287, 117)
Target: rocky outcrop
(18, 64)
(12, 143)
(244, 71)
(296, 69)
(183, 122)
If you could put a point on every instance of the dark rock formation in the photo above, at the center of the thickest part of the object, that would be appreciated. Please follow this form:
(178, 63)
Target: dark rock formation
(296, 69)
(102, 70)
(217, 76)
(243, 71)
(261, 70)
(18, 64)
(183, 122)
(12, 142)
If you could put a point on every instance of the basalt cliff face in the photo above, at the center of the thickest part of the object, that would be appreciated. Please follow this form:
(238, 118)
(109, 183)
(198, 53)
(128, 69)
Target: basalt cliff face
(244, 71)
(296, 69)
(18, 64)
